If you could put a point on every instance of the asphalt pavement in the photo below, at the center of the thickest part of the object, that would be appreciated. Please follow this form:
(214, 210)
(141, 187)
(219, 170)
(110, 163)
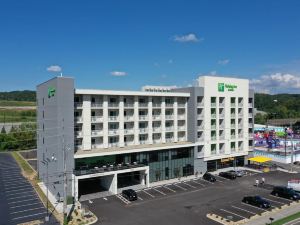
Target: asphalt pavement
(19, 202)
(188, 202)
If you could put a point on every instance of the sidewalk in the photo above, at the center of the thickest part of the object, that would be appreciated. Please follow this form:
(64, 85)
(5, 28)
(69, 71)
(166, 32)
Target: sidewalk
(276, 215)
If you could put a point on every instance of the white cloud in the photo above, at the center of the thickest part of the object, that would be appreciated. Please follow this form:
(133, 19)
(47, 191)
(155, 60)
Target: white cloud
(213, 73)
(223, 62)
(276, 83)
(187, 38)
(118, 73)
(54, 68)
(170, 61)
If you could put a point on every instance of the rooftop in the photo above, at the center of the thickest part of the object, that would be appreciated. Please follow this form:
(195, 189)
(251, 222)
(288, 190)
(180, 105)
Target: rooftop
(132, 93)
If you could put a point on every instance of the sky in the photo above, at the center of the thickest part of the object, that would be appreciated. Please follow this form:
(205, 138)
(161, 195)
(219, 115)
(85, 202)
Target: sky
(124, 45)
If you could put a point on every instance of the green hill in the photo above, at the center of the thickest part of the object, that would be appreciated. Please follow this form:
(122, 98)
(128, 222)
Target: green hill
(26, 95)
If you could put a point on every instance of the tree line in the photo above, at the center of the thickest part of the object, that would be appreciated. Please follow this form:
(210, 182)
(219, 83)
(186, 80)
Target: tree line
(279, 106)
(25, 95)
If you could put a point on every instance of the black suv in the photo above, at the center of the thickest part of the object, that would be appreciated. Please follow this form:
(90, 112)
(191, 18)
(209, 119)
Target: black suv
(209, 177)
(256, 201)
(285, 192)
(227, 175)
(129, 194)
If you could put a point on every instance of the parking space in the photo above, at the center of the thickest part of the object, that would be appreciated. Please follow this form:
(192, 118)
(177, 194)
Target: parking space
(166, 190)
(19, 201)
(188, 202)
(237, 210)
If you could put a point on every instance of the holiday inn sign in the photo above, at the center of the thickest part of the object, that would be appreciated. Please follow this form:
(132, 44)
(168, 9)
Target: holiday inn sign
(228, 87)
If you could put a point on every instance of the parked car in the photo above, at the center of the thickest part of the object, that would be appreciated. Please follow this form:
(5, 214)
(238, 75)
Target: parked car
(227, 175)
(256, 201)
(238, 173)
(209, 177)
(285, 192)
(297, 163)
(129, 194)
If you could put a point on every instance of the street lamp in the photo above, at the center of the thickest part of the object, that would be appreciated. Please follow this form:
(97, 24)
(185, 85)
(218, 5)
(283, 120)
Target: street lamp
(46, 162)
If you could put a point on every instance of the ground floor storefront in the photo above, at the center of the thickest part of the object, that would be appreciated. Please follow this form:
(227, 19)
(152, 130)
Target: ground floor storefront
(112, 173)
(214, 165)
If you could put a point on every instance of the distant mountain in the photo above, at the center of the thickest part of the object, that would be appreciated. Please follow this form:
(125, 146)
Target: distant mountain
(25, 95)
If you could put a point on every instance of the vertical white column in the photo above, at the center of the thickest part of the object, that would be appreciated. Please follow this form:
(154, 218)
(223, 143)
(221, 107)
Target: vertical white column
(105, 121)
(121, 121)
(175, 122)
(227, 120)
(217, 124)
(86, 125)
(147, 177)
(136, 120)
(186, 118)
(114, 184)
(163, 120)
(150, 139)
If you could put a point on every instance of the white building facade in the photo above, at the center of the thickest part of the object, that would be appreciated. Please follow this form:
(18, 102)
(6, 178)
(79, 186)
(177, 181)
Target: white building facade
(121, 139)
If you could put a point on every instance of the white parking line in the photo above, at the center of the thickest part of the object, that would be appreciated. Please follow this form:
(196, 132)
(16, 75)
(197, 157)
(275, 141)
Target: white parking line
(243, 209)
(159, 191)
(123, 199)
(21, 217)
(206, 181)
(176, 184)
(26, 210)
(197, 183)
(12, 175)
(169, 188)
(149, 194)
(233, 213)
(140, 198)
(27, 200)
(26, 196)
(254, 207)
(14, 179)
(282, 198)
(15, 187)
(12, 207)
(18, 193)
(20, 189)
(188, 185)
(274, 201)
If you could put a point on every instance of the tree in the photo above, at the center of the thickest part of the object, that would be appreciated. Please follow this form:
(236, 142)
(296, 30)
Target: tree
(260, 118)
(3, 131)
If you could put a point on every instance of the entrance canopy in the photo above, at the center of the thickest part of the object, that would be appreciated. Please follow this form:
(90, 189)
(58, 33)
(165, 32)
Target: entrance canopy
(260, 159)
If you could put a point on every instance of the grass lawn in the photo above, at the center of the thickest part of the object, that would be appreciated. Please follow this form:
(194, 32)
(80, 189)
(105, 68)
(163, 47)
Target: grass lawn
(17, 115)
(287, 219)
(16, 103)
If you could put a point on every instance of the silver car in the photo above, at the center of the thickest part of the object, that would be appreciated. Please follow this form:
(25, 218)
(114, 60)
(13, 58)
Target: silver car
(238, 173)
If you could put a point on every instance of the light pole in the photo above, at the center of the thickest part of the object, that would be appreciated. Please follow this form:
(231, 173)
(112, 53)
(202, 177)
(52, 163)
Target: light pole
(46, 162)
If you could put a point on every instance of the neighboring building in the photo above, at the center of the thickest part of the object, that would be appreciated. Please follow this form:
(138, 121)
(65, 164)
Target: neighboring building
(110, 140)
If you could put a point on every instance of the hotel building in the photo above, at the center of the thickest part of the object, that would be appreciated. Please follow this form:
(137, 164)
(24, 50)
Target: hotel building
(107, 140)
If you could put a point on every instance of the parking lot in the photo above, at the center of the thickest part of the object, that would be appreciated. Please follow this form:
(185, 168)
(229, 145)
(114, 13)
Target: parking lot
(188, 202)
(19, 202)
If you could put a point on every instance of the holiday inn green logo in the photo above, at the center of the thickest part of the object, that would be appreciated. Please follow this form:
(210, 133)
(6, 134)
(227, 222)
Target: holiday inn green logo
(229, 87)
(221, 87)
(51, 92)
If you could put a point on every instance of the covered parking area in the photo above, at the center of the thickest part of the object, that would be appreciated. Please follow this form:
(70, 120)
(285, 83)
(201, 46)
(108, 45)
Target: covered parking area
(93, 185)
